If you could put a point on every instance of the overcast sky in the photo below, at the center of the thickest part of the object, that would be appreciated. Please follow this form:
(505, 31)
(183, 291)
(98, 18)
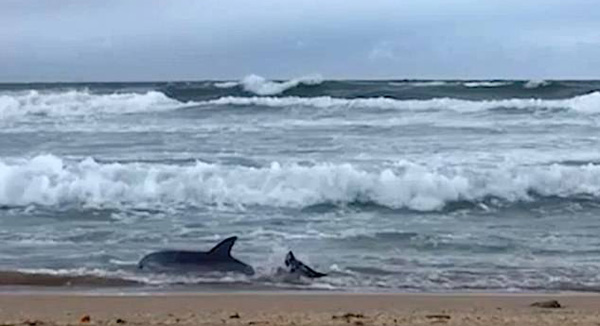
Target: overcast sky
(102, 40)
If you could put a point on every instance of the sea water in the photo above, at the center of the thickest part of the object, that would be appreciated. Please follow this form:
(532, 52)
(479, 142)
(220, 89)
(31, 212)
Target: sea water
(394, 185)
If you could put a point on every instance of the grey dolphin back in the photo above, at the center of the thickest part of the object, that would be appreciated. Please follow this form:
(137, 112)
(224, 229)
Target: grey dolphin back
(297, 267)
(218, 259)
(223, 249)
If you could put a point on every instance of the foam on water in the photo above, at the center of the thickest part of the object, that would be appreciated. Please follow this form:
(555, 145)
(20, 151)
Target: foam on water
(486, 84)
(430, 83)
(530, 84)
(133, 275)
(340, 278)
(83, 103)
(49, 180)
(589, 103)
(75, 103)
(228, 84)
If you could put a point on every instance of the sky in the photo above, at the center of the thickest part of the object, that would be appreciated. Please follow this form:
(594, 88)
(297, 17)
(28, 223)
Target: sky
(146, 40)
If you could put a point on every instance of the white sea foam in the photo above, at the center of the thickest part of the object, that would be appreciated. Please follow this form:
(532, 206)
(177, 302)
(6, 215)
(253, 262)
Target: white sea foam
(228, 84)
(262, 279)
(434, 83)
(536, 83)
(69, 103)
(567, 278)
(485, 84)
(589, 103)
(152, 279)
(49, 180)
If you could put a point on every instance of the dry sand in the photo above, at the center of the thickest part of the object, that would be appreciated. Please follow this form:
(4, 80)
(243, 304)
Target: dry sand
(297, 309)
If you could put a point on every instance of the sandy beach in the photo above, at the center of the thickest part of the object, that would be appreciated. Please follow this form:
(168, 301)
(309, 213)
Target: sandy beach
(297, 309)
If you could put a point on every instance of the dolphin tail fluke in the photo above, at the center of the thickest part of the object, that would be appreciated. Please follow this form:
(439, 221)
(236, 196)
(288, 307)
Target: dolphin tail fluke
(311, 273)
(223, 249)
(315, 274)
(297, 266)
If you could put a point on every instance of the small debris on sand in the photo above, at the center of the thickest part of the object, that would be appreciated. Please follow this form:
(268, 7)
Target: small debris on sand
(235, 316)
(551, 304)
(348, 315)
(33, 322)
(85, 319)
(446, 317)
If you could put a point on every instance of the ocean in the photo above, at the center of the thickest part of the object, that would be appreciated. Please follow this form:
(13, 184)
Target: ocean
(390, 185)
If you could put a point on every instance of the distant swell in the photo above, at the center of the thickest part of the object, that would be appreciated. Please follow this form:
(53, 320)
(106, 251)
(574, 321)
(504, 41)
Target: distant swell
(589, 103)
(50, 180)
(72, 103)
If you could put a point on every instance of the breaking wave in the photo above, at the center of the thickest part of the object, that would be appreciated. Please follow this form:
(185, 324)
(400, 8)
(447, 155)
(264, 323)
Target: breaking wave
(72, 103)
(589, 103)
(84, 103)
(50, 180)
(530, 84)
(261, 86)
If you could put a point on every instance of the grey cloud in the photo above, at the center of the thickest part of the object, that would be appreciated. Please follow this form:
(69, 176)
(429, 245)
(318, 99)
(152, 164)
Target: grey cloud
(227, 39)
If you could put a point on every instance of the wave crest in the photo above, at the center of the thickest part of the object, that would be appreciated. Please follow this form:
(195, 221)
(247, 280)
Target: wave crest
(73, 103)
(476, 84)
(261, 86)
(589, 103)
(531, 84)
(49, 180)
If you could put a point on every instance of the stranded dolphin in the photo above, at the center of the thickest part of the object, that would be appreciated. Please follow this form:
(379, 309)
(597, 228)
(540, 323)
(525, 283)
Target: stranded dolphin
(296, 267)
(218, 259)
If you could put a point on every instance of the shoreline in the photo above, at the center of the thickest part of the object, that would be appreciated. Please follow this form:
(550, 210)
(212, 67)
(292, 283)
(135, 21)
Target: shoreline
(298, 309)
(154, 293)
(41, 283)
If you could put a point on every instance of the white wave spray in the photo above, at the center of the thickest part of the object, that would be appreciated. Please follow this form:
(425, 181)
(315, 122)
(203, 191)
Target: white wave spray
(49, 180)
(262, 86)
(530, 84)
(73, 103)
(589, 103)
(487, 84)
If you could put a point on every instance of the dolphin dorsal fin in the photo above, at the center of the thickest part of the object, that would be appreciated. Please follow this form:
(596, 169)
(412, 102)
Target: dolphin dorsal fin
(223, 249)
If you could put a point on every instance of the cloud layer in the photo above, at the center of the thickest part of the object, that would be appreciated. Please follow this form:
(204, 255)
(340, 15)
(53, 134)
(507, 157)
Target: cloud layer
(81, 40)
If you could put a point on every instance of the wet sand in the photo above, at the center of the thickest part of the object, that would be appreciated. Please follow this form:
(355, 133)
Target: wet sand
(9, 278)
(296, 309)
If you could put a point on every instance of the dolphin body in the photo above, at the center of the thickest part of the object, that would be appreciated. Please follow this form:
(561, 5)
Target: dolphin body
(296, 267)
(218, 259)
